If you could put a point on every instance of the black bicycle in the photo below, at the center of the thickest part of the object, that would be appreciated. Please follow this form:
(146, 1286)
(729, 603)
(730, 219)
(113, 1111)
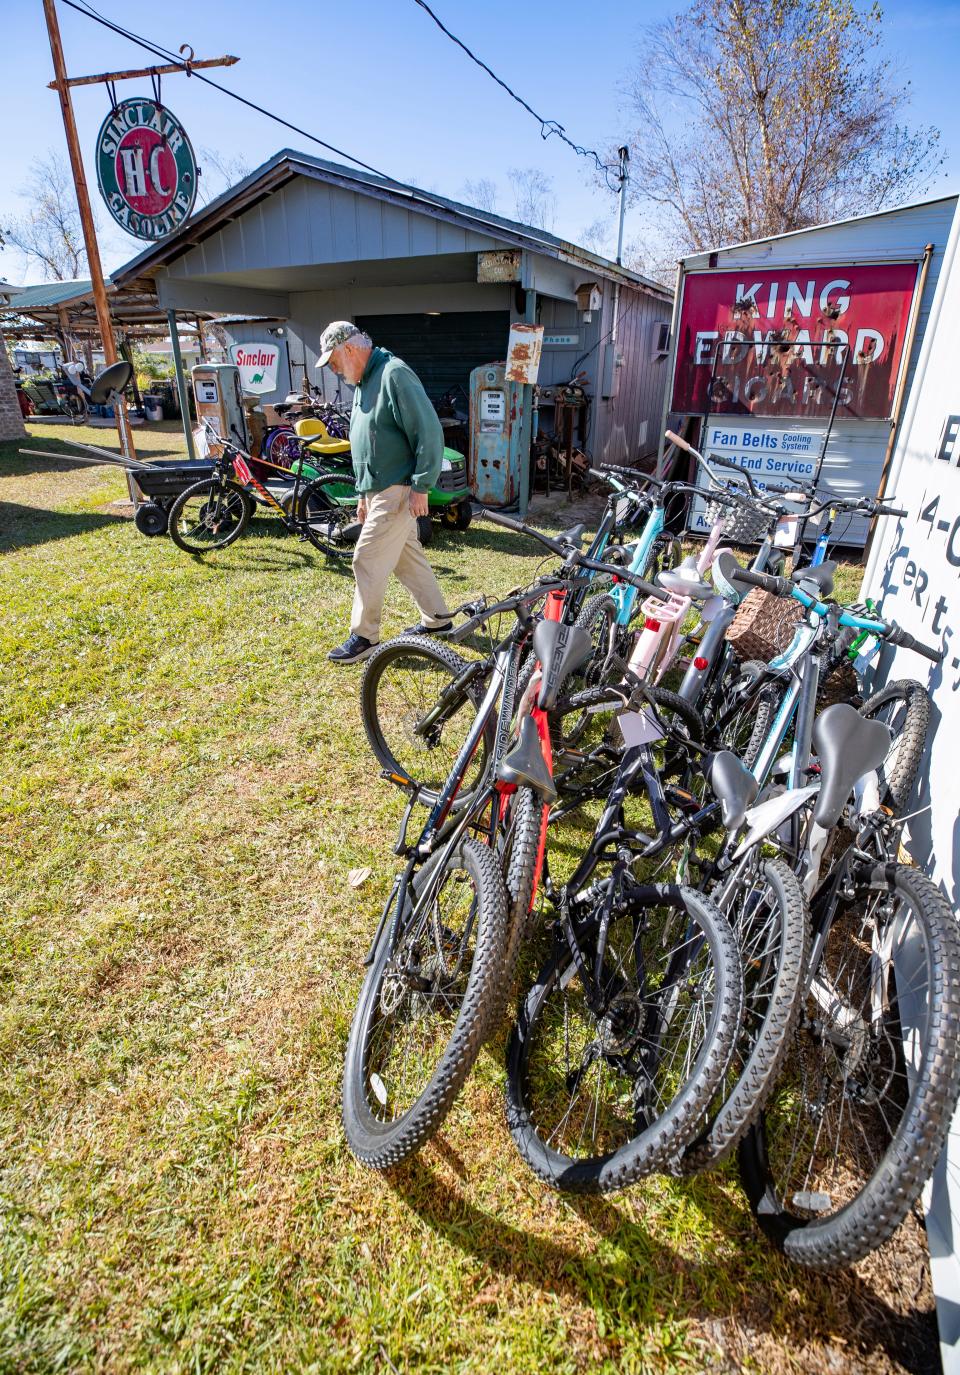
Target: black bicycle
(214, 512)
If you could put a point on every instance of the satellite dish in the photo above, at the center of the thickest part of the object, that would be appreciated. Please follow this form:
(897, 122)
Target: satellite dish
(112, 379)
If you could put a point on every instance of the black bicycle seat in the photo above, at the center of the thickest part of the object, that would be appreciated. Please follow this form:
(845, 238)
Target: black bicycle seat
(560, 649)
(821, 576)
(525, 763)
(733, 785)
(849, 745)
(574, 535)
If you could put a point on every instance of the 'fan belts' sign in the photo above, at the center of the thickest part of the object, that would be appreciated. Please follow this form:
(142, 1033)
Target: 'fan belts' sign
(146, 169)
(258, 366)
(774, 343)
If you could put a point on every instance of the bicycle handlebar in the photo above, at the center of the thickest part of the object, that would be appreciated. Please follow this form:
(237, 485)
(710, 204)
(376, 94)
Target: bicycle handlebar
(572, 555)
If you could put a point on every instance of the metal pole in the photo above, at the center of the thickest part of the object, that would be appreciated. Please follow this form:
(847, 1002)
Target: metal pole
(526, 439)
(624, 178)
(181, 383)
(86, 215)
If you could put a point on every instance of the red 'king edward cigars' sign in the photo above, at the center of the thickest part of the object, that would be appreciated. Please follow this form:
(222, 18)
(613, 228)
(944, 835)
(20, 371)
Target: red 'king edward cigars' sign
(773, 342)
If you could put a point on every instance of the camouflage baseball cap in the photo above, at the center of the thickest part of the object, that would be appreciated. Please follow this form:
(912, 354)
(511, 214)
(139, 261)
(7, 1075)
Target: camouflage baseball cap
(333, 336)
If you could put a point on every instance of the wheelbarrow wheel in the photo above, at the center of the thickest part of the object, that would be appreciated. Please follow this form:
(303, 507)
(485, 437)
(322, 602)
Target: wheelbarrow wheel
(457, 516)
(151, 519)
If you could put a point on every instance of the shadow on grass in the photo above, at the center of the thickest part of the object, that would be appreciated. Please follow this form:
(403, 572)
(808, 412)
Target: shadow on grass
(653, 1280)
(24, 526)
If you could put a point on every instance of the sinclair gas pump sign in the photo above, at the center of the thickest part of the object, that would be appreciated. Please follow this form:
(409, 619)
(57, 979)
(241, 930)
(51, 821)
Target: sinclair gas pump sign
(780, 343)
(146, 169)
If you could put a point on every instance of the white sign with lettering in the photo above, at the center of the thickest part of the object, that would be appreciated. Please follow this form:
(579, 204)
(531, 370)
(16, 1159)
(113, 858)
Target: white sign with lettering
(258, 366)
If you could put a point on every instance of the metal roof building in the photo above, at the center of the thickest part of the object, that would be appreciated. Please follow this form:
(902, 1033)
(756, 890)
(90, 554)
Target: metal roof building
(303, 241)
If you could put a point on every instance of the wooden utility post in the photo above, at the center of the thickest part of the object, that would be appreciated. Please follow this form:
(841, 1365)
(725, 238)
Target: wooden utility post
(86, 216)
(61, 84)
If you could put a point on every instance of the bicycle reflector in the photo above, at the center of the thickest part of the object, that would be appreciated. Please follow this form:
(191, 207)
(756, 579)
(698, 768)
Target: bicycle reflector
(700, 663)
(650, 624)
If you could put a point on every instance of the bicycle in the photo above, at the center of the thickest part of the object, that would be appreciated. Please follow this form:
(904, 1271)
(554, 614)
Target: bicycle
(214, 512)
(872, 1079)
(436, 978)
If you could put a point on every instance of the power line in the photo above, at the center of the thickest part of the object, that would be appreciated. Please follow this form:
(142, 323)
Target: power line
(158, 51)
(548, 127)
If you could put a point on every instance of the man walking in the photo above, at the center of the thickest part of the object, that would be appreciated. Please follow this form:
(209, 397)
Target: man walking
(396, 442)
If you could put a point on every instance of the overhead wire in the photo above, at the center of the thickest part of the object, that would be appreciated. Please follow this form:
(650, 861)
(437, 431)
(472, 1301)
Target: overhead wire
(158, 51)
(549, 128)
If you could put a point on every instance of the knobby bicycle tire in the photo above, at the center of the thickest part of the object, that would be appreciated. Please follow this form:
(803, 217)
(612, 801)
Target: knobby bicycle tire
(433, 657)
(380, 1143)
(322, 519)
(226, 520)
(840, 1236)
(604, 1170)
(525, 829)
(772, 1006)
(900, 769)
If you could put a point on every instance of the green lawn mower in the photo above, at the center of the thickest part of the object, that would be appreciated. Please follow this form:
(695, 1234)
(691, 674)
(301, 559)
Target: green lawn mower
(449, 499)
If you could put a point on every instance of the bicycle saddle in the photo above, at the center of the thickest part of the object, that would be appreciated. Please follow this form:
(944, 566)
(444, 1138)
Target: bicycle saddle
(733, 785)
(849, 745)
(560, 649)
(685, 581)
(572, 536)
(525, 763)
(822, 576)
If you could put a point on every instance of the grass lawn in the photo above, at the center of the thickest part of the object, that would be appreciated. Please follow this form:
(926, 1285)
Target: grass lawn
(184, 789)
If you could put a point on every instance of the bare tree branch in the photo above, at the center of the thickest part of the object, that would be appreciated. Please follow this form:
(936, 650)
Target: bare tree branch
(754, 117)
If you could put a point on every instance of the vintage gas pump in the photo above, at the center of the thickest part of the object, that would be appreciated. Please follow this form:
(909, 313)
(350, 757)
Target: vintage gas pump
(497, 431)
(219, 400)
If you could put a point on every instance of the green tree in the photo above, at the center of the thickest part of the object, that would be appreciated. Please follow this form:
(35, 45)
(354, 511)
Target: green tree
(754, 117)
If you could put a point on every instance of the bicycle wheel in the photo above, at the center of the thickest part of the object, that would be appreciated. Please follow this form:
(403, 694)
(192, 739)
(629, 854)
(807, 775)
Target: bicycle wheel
(856, 1125)
(769, 919)
(605, 1086)
(521, 856)
(425, 1006)
(209, 515)
(745, 733)
(404, 681)
(904, 708)
(327, 515)
(282, 447)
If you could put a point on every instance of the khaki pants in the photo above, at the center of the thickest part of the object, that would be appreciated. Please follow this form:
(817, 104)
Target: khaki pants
(388, 544)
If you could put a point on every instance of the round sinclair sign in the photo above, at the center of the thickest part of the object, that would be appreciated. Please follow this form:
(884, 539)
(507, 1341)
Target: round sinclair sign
(146, 169)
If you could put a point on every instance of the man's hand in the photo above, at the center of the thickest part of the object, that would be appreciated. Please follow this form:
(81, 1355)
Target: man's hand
(419, 503)
(361, 509)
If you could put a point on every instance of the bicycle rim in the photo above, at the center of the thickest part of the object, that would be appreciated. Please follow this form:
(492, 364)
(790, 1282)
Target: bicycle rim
(863, 1106)
(598, 1096)
(209, 516)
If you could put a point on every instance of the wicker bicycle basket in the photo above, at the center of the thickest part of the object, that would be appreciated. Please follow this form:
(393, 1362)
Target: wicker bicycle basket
(740, 524)
(763, 625)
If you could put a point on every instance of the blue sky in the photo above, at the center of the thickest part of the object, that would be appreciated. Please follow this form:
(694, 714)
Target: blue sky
(379, 80)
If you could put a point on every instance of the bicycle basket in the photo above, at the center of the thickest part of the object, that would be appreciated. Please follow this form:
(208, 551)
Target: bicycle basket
(763, 625)
(740, 524)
